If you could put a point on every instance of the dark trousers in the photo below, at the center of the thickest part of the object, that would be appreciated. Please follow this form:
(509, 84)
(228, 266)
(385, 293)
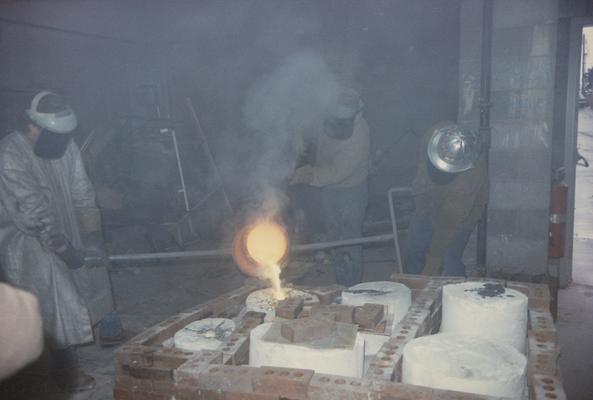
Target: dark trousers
(419, 237)
(343, 214)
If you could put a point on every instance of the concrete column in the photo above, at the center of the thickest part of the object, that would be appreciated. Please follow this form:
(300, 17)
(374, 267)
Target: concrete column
(523, 62)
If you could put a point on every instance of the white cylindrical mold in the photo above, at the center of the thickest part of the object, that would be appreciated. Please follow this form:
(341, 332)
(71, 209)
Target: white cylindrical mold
(263, 301)
(205, 334)
(396, 297)
(488, 310)
(465, 363)
(372, 344)
(335, 361)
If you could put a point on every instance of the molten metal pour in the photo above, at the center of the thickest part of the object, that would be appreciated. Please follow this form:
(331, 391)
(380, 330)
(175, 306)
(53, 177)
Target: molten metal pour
(272, 273)
(261, 250)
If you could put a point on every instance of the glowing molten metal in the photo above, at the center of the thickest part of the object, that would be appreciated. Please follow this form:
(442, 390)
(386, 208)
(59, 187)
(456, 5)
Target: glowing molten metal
(266, 243)
(260, 250)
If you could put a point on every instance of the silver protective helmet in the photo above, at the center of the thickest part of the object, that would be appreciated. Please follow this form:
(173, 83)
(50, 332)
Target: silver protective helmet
(453, 148)
(62, 118)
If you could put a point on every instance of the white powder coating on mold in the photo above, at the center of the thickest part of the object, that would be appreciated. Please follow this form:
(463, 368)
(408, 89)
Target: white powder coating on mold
(372, 344)
(334, 361)
(488, 310)
(466, 364)
(263, 301)
(205, 334)
(395, 296)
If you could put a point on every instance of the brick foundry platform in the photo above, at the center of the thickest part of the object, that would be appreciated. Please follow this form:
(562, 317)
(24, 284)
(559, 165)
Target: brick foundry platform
(147, 367)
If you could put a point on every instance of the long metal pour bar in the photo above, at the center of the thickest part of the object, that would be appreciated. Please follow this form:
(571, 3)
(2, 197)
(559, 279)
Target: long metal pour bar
(303, 248)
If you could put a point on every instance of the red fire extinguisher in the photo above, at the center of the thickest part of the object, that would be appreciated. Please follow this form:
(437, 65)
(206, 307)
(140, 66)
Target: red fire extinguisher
(557, 229)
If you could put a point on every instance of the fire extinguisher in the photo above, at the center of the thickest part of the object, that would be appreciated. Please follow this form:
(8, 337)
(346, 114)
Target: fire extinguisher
(557, 228)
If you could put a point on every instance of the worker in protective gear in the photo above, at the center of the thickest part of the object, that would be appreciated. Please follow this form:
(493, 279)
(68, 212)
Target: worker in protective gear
(341, 169)
(49, 223)
(450, 192)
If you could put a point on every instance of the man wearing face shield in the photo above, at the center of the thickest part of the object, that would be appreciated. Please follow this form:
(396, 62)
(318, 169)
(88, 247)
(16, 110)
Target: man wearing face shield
(450, 192)
(341, 169)
(49, 223)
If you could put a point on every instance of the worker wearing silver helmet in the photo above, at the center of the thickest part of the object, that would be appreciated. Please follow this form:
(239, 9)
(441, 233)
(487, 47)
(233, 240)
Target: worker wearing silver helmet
(48, 224)
(341, 170)
(450, 192)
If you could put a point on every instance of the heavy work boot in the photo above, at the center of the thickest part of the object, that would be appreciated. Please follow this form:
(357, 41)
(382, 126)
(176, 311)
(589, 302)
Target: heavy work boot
(111, 332)
(67, 374)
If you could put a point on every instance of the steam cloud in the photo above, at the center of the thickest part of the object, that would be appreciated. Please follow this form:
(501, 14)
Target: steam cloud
(285, 110)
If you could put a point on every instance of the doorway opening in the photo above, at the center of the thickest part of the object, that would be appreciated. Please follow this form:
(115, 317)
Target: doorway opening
(583, 198)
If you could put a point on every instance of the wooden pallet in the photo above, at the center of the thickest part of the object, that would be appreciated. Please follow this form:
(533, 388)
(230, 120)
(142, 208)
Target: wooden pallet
(148, 369)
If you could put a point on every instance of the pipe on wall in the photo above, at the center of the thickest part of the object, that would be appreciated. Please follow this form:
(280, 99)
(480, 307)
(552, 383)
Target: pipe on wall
(72, 32)
(227, 253)
(485, 130)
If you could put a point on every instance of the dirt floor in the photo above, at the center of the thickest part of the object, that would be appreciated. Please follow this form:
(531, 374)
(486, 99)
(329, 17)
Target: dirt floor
(145, 296)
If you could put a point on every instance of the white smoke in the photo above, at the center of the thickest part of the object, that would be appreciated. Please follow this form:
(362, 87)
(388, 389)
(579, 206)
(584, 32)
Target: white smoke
(285, 109)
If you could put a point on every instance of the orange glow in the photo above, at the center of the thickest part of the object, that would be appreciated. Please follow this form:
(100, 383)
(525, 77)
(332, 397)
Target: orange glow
(260, 250)
(266, 243)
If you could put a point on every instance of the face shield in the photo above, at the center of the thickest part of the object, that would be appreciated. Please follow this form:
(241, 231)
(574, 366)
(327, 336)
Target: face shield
(454, 149)
(339, 124)
(56, 120)
(51, 145)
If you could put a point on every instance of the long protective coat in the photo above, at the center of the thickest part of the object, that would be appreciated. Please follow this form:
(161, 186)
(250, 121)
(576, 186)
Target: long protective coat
(59, 193)
(453, 206)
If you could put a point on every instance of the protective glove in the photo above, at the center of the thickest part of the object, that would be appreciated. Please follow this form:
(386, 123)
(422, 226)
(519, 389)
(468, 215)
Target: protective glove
(53, 241)
(432, 267)
(302, 175)
(33, 221)
(73, 258)
(95, 253)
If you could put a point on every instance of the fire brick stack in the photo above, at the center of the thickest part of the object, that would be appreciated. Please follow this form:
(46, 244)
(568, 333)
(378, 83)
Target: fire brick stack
(148, 369)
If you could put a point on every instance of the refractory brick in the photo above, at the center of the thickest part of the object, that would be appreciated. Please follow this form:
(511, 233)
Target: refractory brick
(341, 312)
(306, 329)
(327, 294)
(368, 316)
(289, 308)
(283, 382)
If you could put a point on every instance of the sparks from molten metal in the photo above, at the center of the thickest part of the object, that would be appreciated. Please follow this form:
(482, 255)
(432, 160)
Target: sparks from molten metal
(267, 244)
